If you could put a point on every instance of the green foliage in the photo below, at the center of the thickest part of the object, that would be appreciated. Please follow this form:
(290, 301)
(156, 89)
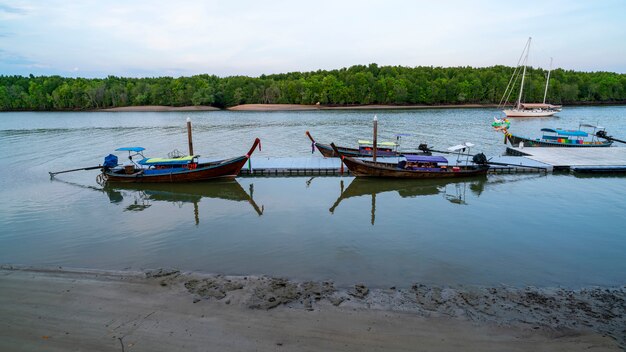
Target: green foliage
(359, 84)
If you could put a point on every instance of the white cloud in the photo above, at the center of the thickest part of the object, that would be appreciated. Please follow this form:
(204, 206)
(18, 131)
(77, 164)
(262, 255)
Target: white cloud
(251, 37)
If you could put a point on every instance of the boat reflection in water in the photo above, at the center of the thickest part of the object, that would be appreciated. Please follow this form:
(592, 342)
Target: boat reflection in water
(145, 194)
(452, 190)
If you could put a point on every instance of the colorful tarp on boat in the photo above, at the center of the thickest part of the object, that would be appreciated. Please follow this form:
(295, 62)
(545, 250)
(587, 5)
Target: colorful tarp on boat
(162, 161)
(426, 159)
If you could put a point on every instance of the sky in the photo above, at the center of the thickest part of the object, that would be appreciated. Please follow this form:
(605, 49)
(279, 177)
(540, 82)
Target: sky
(137, 38)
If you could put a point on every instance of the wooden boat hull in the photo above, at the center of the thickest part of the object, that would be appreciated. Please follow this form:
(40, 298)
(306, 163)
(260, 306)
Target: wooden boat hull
(516, 140)
(224, 169)
(361, 168)
(228, 168)
(327, 151)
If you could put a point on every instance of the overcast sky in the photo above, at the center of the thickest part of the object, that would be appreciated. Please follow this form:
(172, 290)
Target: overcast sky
(139, 38)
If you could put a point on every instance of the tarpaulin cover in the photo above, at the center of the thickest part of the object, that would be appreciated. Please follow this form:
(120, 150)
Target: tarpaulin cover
(110, 161)
(426, 158)
(566, 132)
(162, 161)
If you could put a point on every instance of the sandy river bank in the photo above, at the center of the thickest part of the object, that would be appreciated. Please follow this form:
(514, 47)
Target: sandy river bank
(287, 107)
(161, 310)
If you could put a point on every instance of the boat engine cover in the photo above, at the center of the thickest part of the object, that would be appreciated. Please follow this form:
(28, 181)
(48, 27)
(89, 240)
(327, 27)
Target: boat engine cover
(479, 158)
(110, 161)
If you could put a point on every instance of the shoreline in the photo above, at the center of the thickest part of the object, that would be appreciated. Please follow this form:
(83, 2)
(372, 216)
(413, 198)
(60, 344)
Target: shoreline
(160, 108)
(289, 107)
(296, 107)
(167, 309)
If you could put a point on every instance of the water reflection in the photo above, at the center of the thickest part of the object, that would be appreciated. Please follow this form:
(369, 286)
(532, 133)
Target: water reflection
(142, 196)
(453, 191)
(145, 194)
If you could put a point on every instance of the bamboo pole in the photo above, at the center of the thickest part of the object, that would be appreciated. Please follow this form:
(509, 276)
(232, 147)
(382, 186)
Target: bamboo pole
(375, 137)
(189, 136)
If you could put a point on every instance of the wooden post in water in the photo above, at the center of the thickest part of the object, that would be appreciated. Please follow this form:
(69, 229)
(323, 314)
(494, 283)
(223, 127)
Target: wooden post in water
(375, 137)
(189, 136)
(373, 208)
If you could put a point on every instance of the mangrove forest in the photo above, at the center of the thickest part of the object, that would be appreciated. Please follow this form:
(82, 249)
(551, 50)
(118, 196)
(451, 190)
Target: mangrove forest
(356, 85)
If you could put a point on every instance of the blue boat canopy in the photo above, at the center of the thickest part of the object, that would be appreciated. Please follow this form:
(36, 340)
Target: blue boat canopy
(565, 132)
(426, 159)
(131, 149)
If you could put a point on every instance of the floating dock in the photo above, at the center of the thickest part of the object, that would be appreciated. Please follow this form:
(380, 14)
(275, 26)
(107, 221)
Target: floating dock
(317, 166)
(522, 160)
(585, 160)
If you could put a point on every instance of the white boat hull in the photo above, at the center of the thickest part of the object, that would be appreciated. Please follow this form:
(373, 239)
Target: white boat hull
(529, 113)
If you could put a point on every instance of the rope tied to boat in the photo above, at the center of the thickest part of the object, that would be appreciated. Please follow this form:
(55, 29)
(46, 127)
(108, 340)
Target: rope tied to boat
(102, 178)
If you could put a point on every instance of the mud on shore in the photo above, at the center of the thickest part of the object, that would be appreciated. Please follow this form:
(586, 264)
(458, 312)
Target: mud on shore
(564, 311)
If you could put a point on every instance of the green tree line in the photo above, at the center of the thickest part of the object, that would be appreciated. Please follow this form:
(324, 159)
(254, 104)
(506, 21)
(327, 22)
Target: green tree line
(360, 84)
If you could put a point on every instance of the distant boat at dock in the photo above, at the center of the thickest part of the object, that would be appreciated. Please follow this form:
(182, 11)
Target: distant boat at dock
(560, 138)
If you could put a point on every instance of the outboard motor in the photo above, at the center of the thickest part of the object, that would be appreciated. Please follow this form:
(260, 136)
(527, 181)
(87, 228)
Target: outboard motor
(479, 158)
(110, 161)
(424, 147)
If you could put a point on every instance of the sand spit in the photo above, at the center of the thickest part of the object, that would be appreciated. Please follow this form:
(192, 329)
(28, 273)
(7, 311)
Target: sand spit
(160, 108)
(273, 107)
(288, 107)
(56, 310)
(296, 107)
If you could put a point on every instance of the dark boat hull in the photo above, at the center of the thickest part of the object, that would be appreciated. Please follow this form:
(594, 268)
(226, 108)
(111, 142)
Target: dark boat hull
(224, 169)
(361, 168)
(516, 140)
(327, 151)
(228, 168)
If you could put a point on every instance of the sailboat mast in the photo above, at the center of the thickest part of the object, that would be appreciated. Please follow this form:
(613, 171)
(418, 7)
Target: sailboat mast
(545, 93)
(521, 90)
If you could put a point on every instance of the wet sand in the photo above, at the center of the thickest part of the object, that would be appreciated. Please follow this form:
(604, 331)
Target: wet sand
(60, 310)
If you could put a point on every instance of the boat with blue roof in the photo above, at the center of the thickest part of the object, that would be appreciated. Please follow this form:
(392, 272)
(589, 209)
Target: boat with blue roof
(190, 168)
(556, 137)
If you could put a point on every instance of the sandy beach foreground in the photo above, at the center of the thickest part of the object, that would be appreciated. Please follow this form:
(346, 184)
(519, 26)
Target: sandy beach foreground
(61, 310)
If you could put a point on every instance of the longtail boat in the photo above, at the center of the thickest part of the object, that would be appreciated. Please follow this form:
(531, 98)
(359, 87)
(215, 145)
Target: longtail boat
(560, 138)
(183, 169)
(384, 149)
(415, 166)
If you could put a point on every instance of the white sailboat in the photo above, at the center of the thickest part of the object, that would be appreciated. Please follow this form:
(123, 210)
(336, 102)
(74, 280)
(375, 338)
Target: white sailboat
(529, 109)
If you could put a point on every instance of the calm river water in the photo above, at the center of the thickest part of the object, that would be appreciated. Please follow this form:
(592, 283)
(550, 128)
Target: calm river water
(554, 230)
